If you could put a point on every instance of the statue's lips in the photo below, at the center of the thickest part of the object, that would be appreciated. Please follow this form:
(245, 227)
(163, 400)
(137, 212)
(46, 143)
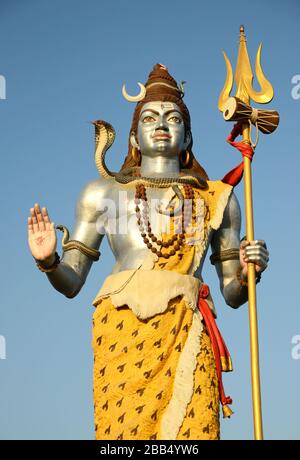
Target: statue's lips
(161, 136)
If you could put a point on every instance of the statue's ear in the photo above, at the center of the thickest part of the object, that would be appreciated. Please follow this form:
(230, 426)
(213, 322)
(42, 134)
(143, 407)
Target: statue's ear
(133, 140)
(188, 138)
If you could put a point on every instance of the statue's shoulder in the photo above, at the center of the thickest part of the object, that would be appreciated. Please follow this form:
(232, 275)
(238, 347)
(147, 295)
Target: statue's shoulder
(93, 196)
(218, 186)
(97, 188)
(222, 203)
(216, 193)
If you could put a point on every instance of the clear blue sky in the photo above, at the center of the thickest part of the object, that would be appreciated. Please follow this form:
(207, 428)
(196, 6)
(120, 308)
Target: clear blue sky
(64, 63)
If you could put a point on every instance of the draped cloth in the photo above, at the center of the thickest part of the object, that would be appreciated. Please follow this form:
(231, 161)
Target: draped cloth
(155, 374)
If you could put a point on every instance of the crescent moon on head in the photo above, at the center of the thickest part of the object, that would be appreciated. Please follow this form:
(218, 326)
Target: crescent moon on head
(137, 98)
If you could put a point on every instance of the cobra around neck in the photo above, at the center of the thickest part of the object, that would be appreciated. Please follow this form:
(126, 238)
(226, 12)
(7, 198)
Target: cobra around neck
(160, 166)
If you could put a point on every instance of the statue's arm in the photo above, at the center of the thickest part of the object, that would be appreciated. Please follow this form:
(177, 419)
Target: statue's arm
(70, 275)
(233, 273)
(228, 237)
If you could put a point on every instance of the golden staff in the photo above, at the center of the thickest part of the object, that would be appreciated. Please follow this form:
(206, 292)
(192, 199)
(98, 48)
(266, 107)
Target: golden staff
(238, 109)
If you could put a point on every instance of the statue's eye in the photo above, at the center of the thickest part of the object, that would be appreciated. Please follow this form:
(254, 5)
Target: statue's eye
(148, 119)
(174, 119)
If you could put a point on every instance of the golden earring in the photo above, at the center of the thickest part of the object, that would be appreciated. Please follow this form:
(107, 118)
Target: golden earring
(184, 160)
(136, 155)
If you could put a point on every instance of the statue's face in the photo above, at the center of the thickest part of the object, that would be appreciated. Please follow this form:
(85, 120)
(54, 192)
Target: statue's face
(160, 130)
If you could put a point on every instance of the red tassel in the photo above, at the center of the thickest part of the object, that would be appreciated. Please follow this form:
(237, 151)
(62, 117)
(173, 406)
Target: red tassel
(234, 176)
(220, 350)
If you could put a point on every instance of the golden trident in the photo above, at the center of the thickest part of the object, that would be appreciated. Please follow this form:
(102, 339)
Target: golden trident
(237, 108)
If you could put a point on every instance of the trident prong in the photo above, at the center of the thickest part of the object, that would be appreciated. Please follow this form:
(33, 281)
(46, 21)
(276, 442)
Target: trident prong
(225, 93)
(244, 77)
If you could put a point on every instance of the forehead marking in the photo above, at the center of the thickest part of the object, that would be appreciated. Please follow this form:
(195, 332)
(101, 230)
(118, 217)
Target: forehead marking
(167, 105)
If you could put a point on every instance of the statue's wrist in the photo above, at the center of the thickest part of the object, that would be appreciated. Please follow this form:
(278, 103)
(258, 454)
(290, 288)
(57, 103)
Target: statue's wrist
(243, 278)
(49, 264)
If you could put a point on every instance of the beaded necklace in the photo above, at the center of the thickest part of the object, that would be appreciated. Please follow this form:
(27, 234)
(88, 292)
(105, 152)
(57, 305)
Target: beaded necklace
(177, 240)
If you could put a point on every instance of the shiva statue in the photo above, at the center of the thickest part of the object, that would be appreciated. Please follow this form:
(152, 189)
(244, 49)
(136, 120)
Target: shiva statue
(158, 354)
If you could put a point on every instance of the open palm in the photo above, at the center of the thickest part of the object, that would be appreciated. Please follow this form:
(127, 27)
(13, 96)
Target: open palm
(41, 234)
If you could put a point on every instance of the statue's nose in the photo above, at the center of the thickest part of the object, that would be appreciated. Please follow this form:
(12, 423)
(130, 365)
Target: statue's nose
(162, 126)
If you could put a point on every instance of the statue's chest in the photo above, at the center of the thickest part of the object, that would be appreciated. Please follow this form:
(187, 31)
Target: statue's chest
(156, 209)
(161, 212)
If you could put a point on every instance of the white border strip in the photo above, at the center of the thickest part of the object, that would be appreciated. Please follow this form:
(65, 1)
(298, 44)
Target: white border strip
(184, 382)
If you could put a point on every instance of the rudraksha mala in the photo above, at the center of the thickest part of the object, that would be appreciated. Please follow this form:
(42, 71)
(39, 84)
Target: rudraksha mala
(144, 225)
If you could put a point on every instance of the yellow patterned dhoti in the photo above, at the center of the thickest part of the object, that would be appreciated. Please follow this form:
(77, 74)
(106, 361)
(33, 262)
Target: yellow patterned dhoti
(134, 374)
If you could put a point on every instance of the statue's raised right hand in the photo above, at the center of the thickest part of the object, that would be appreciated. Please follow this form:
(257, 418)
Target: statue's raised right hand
(41, 235)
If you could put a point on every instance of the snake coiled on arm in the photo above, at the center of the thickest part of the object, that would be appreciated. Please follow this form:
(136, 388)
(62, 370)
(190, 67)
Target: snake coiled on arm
(67, 244)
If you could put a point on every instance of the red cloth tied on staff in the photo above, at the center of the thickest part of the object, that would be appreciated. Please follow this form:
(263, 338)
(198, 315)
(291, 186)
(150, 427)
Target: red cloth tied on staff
(221, 353)
(234, 176)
